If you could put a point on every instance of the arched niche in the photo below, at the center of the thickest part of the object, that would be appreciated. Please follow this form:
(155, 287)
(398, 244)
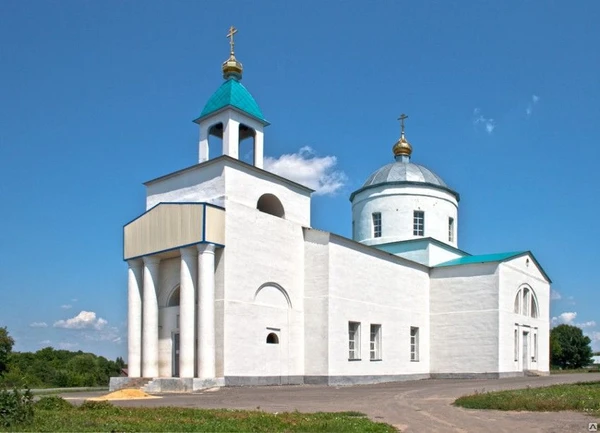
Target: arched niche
(272, 294)
(269, 203)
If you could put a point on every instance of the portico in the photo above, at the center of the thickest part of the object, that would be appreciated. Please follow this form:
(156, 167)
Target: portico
(174, 225)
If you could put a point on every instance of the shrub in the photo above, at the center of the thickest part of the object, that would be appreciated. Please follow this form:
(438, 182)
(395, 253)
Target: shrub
(53, 402)
(96, 405)
(16, 407)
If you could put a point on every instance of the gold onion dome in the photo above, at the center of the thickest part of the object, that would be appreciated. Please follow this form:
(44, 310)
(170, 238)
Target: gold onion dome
(402, 147)
(232, 68)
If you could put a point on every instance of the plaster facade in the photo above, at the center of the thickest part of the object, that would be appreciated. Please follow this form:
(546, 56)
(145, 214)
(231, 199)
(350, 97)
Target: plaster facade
(396, 204)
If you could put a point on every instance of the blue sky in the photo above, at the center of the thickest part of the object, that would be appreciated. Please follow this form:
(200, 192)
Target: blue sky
(98, 97)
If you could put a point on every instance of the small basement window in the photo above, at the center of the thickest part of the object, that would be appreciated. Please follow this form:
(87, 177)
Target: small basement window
(272, 338)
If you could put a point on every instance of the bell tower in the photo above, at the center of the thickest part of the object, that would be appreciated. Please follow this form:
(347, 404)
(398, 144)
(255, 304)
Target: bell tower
(232, 114)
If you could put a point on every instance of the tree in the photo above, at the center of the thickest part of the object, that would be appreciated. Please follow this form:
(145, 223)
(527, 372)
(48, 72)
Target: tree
(569, 348)
(6, 345)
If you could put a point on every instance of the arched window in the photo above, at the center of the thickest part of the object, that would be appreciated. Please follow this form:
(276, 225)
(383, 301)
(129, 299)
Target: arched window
(526, 303)
(534, 308)
(174, 298)
(270, 204)
(272, 338)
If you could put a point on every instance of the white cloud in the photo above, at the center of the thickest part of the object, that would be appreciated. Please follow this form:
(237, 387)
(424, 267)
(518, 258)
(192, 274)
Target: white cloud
(84, 320)
(45, 342)
(555, 296)
(38, 325)
(305, 168)
(534, 100)
(487, 122)
(66, 306)
(589, 324)
(110, 333)
(566, 318)
(66, 345)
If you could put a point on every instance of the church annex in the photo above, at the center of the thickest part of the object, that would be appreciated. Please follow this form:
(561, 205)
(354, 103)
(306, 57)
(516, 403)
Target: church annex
(229, 284)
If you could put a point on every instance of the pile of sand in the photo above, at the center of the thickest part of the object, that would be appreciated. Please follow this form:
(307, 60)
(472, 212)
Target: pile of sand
(124, 394)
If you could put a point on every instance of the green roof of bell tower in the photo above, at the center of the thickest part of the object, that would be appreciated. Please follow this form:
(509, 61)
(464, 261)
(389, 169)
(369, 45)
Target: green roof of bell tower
(232, 93)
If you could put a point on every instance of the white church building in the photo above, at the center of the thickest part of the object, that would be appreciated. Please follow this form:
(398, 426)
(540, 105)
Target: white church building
(229, 284)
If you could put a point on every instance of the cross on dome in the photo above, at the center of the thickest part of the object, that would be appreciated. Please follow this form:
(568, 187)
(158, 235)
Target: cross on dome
(401, 119)
(402, 149)
(232, 31)
(231, 67)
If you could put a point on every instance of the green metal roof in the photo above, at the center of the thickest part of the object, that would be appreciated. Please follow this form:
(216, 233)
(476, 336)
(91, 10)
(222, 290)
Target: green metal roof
(484, 258)
(489, 258)
(233, 93)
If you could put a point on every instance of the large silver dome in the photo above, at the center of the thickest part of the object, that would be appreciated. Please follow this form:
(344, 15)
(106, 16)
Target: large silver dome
(401, 171)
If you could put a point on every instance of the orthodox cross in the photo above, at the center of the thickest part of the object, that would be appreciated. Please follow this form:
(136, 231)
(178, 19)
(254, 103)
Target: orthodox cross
(232, 31)
(401, 119)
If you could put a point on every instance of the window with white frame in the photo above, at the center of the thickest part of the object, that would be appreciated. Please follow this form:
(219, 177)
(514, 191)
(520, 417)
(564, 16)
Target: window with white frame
(414, 343)
(375, 347)
(353, 340)
(516, 344)
(376, 224)
(526, 303)
(450, 229)
(419, 223)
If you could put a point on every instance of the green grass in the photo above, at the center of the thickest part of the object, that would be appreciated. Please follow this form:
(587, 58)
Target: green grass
(105, 417)
(583, 397)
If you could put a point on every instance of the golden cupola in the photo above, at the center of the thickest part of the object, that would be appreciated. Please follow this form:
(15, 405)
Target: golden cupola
(402, 149)
(232, 68)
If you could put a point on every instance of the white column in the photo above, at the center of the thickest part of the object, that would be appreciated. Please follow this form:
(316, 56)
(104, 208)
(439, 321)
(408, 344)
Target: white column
(231, 138)
(150, 318)
(203, 150)
(206, 312)
(259, 148)
(134, 318)
(187, 311)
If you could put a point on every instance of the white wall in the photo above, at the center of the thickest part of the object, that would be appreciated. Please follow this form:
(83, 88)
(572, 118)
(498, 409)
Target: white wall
(316, 302)
(246, 188)
(202, 183)
(516, 274)
(397, 204)
(261, 248)
(371, 288)
(464, 319)
(439, 254)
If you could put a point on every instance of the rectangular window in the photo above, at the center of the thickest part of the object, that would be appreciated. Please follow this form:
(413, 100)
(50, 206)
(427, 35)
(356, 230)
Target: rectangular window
(419, 223)
(414, 344)
(375, 342)
(353, 340)
(450, 229)
(534, 356)
(377, 224)
(516, 345)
